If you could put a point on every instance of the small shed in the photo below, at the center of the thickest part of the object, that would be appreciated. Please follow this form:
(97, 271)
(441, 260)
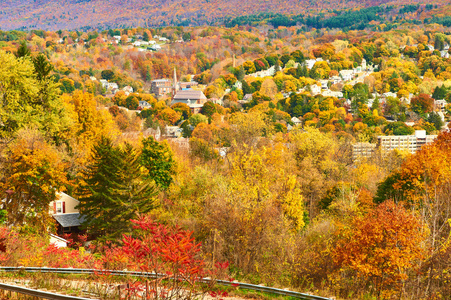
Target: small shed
(58, 241)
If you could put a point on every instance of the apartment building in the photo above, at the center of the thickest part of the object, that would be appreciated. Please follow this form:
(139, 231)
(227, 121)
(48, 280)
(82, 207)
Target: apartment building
(410, 143)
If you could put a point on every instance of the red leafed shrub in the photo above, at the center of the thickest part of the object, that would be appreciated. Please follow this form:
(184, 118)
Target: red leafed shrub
(55, 257)
(168, 251)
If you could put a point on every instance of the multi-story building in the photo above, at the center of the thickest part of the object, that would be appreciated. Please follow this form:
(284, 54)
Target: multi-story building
(410, 143)
(194, 99)
(162, 87)
(363, 150)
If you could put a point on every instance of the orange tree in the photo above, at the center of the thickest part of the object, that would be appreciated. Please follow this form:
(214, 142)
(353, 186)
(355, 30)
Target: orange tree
(377, 250)
(423, 183)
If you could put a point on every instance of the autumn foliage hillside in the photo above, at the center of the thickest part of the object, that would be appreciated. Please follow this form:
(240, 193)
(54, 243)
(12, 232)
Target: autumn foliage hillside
(88, 14)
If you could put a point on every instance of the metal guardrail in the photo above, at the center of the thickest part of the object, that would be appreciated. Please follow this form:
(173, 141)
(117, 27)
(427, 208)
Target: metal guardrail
(38, 293)
(248, 286)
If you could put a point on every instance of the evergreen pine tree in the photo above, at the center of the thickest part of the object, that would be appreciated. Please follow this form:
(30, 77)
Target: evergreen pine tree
(247, 89)
(304, 72)
(146, 36)
(277, 66)
(135, 193)
(241, 73)
(114, 190)
(439, 92)
(97, 192)
(23, 50)
(376, 105)
(42, 67)
(299, 71)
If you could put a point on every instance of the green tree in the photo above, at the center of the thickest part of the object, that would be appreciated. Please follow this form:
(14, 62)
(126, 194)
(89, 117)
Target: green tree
(132, 102)
(208, 109)
(440, 92)
(298, 56)
(146, 36)
(26, 101)
(398, 128)
(435, 119)
(240, 75)
(107, 74)
(42, 67)
(23, 50)
(114, 190)
(158, 159)
(196, 119)
(247, 89)
(359, 95)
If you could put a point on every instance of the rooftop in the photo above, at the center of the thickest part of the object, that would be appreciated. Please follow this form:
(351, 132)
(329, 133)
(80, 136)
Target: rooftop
(189, 94)
(69, 220)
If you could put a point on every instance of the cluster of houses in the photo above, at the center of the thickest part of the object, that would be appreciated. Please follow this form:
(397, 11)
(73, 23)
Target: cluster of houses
(112, 87)
(181, 92)
(140, 44)
(443, 53)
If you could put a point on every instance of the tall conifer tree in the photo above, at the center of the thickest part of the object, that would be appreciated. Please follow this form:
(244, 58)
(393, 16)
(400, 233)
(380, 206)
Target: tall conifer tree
(115, 190)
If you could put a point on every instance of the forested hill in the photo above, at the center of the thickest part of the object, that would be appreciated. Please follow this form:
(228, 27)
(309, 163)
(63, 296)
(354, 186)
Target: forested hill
(103, 14)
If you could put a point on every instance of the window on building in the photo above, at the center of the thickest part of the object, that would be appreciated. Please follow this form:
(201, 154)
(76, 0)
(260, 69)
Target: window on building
(60, 207)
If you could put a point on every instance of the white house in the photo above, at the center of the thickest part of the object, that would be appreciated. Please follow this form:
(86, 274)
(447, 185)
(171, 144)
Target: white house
(238, 85)
(65, 213)
(104, 83)
(265, 73)
(439, 105)
(128, 90)
(154, 47)
(444, 53)
(324, 84)
(329, 93)
(335, 79)
(296, 121)
(112, 86)
(315, 89)
(309, 63)
(346, 74)
(144, 104)
(389, 94)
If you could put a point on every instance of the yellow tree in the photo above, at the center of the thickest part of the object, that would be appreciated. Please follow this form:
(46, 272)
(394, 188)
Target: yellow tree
(269, 88)
(89, 125)
(318, 170)
(258, 210)
(33, 172)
